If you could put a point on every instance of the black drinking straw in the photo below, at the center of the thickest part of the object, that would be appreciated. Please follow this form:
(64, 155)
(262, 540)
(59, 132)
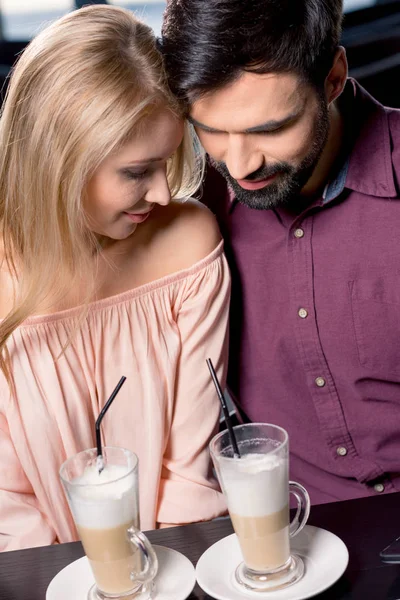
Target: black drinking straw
(103, 412)
(227, 417)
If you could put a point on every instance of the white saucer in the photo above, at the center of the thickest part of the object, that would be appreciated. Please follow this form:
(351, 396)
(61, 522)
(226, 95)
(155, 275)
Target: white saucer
(174, 581)
(325, 558)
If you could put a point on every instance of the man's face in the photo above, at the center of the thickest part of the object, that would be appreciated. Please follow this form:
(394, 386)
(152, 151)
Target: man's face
(265, 134)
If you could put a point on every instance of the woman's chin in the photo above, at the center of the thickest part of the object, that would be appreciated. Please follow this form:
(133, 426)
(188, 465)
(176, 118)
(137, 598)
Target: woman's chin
(116, 233)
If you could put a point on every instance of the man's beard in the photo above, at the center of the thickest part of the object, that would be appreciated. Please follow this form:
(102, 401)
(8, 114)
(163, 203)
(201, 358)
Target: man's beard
(289, 180)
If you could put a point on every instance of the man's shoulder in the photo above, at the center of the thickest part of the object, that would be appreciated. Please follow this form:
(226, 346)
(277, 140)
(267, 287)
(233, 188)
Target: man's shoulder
(394, 123)
(393, 115)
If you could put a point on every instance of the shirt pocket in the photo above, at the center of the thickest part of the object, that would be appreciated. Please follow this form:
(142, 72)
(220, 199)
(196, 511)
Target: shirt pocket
(375, 307)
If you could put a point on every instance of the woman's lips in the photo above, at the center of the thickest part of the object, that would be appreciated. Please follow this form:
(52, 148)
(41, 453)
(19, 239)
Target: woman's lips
(137, 218)
(255, 185)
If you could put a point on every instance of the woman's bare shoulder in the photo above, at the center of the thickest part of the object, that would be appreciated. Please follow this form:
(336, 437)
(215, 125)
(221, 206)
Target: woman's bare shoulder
(174, 238)
(185, 233)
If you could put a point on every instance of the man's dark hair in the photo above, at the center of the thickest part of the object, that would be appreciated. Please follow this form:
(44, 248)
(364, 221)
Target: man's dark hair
(208, 43)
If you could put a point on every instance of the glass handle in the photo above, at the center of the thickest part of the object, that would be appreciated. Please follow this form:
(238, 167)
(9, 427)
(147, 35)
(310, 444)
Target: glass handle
(303, 508)
(150, 562)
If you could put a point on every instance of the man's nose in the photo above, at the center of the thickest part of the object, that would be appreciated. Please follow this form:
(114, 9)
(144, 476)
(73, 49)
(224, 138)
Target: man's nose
(242, 157)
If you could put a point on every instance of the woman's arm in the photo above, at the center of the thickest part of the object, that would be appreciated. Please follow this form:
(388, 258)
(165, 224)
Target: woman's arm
(188, 490)
(22, 525)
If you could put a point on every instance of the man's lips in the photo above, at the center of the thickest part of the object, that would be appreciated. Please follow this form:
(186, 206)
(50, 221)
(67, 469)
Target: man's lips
(246, 184)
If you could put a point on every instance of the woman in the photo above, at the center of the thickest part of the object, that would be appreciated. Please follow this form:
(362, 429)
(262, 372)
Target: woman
(102, 275)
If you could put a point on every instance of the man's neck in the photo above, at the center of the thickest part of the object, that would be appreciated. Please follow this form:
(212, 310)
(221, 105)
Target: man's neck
(329, 156)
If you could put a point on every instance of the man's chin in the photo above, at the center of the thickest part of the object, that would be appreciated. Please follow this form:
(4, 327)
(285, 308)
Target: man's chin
(263, 199)
(258, 203)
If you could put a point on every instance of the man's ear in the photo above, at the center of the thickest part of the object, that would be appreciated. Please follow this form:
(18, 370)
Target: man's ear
(337, 76)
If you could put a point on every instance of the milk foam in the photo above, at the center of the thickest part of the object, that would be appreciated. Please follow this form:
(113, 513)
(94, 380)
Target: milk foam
(101, 502)
(255, 485)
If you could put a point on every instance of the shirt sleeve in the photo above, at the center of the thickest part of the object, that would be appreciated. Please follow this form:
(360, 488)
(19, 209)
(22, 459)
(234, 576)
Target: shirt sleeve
(22, 525)
(188, 490)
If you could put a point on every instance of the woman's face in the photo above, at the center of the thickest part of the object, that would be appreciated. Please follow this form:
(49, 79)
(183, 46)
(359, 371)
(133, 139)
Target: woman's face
(130, 182)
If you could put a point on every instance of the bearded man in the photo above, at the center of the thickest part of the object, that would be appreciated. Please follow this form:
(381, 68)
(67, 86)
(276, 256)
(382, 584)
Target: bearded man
(304, 179)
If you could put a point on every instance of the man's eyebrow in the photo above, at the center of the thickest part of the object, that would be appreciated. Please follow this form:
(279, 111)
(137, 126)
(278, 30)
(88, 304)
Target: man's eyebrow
(263, 128)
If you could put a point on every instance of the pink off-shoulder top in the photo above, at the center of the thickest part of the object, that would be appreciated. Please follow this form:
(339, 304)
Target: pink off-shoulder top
(158, 335)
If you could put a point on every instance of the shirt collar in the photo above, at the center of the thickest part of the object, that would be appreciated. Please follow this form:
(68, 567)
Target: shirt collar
(368, 166)
(334, 188)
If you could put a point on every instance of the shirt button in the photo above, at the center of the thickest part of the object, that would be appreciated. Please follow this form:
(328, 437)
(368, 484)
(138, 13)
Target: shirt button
(379, 487)
(320, 382)
(303, 313)
(341, 451)
(299, 233)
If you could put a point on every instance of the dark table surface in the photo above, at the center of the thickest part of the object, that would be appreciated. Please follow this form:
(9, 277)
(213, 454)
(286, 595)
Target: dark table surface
(366, 526)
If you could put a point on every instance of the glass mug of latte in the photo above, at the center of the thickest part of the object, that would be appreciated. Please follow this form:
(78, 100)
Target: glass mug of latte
(256, 487)
(105, 507)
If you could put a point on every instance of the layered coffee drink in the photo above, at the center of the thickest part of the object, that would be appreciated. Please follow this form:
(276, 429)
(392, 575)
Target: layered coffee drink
(103, 514)
(252, 464)
(256, 489)
(103, 494)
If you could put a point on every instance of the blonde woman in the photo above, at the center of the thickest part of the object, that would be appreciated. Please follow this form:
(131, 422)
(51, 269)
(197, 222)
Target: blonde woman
(102, 275)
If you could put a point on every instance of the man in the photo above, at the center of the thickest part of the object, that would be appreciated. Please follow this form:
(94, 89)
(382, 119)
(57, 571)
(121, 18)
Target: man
(311, 219)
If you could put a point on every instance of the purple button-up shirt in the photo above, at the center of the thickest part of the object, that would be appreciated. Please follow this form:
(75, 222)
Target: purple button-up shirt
(315, 320)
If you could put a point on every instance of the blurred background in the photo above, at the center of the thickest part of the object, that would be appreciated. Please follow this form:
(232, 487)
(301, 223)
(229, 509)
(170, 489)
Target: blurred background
(371, 35)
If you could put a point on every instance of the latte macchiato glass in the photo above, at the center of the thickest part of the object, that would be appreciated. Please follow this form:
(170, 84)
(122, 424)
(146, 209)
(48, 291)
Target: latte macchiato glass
(257, 487)
(105, 507)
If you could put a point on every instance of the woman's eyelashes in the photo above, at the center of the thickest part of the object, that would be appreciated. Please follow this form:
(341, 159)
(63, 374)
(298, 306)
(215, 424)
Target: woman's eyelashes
(134, 174)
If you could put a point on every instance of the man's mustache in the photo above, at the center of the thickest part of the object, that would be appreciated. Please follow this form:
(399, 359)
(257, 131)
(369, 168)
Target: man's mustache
(264, 172)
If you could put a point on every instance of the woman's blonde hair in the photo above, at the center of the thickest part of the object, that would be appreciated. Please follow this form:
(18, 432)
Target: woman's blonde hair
(74, 97)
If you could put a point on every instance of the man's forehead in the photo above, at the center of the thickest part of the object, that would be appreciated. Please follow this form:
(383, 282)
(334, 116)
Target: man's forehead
(250, 100)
